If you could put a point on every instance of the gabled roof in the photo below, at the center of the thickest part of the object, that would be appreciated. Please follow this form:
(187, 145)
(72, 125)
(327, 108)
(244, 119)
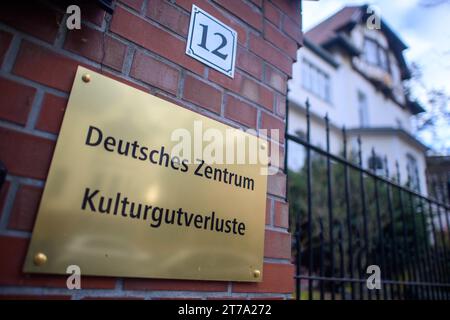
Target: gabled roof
(327, 29)
(333, 31)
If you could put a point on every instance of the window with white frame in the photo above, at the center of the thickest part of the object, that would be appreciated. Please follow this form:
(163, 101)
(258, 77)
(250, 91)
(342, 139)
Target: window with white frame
(316, 81)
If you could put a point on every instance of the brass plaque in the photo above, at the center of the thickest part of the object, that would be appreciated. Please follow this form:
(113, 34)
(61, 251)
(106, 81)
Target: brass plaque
(117, 202)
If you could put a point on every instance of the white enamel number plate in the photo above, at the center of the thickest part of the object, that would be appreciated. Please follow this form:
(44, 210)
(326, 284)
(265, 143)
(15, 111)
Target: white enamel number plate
(211, 42)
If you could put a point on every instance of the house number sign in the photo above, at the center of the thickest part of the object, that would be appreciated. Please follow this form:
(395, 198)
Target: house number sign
(211, 42)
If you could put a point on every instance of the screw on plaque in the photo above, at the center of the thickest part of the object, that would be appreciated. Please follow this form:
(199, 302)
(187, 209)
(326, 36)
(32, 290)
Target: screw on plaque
(86, 77)
(39, 259)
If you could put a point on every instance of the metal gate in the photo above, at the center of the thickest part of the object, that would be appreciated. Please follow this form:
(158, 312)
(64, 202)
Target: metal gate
(345, 218)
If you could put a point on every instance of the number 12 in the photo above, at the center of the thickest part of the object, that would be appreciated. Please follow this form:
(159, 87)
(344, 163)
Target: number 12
(215, 51)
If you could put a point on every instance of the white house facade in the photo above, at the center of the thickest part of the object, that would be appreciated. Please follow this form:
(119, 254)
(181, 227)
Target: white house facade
(355, 75)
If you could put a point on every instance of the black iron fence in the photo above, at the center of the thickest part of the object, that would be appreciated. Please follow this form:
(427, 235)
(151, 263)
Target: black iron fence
(345, 218)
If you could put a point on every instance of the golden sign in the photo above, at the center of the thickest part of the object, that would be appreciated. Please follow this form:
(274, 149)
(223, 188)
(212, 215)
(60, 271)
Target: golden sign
(118, 203)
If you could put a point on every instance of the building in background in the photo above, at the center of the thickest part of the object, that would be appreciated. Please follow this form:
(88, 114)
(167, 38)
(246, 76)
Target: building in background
(355, 74)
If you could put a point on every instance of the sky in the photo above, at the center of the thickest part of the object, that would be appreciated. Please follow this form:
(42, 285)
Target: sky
(426, 32)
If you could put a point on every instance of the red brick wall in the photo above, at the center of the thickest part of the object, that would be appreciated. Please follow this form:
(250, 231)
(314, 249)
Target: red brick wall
(145, 43)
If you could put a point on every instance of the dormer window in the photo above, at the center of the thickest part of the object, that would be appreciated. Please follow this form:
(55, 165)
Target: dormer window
(375, 54)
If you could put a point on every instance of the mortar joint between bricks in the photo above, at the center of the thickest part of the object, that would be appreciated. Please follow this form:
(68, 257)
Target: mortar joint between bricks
(144, 7)
(35, 110)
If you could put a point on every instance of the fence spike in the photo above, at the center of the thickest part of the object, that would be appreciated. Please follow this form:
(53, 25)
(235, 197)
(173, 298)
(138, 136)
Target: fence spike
(360, 151)
(373, 160)
(398, 171)
(386, 168)
(418, 179)
(327, 128)
(344, 140)
(308, 124)
(408, 182)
